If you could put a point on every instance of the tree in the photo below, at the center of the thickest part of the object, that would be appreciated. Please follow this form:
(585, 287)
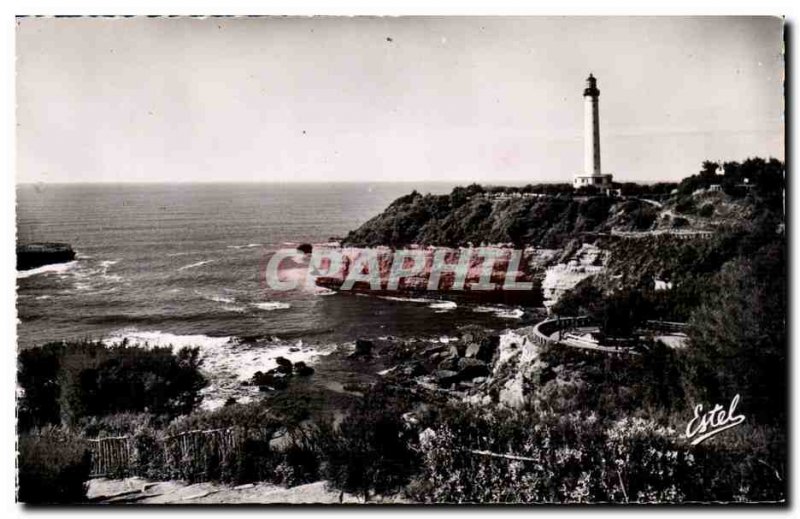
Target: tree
(64, 382)
(619, 313)
(738, 335)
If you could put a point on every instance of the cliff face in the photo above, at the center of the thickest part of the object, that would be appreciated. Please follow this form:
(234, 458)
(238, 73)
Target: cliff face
(542, 221)
(34, 255)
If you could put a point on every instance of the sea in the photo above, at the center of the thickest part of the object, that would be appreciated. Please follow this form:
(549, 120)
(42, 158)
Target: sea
(182, 265)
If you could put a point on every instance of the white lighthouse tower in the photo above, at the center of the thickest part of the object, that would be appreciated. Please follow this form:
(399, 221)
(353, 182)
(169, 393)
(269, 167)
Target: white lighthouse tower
(592, 173)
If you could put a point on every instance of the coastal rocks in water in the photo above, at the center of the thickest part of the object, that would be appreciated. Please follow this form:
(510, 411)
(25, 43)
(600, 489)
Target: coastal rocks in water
(363, 348)
(305, 248)
(34, 255)
(284, 365)
(269, 380)
(302, 369)
(278, 377)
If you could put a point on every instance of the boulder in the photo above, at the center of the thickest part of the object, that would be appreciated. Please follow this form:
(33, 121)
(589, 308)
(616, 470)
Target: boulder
(458, 349)
(471, 368)
(483, 350)
(284, 365)
(363, 348)
(450, 363)
(412, 369)
(302, 369)
(275, 383)
(433, 350)
(33, 255)
(445, 377)
(472, 350)
(269, 380)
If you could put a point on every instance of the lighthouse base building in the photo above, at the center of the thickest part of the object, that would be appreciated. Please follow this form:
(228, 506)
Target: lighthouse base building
(602, 181)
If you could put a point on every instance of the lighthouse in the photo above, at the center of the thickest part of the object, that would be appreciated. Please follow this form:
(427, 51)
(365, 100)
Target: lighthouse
(592, 174)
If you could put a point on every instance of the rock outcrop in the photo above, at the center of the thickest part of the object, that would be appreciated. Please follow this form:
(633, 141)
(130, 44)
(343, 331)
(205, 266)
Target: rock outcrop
(34, 255)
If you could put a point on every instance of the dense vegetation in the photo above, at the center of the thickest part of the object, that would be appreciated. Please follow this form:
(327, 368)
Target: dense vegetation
(73, 384)
(501, 455)
(730, 288)
(469, 216)
(64, 382)
(53, 467)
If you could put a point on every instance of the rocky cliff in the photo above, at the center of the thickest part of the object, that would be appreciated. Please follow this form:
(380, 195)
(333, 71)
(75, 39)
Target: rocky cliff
(542, 221)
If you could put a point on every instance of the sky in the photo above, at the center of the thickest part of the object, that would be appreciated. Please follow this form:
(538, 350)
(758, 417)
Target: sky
(454, 99)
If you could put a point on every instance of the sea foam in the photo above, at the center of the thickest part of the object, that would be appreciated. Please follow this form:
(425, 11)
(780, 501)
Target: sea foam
(225, 361)
(58, 268)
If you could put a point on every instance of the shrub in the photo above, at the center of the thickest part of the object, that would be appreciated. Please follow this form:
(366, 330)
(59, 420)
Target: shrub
(230, 444)
(147, 455)
(301, 462)
(371, 449)
(707, 211)
(120, 424)
(679, 222)
(685, 205)
(503, 456)
(65, 382)
(53, 468)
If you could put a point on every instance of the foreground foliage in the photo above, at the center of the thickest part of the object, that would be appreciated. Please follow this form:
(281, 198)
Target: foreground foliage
(480, 456)
(53, 467)
(67, 381)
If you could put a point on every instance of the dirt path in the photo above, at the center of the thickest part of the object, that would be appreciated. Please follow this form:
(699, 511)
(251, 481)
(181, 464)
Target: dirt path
(142, 491)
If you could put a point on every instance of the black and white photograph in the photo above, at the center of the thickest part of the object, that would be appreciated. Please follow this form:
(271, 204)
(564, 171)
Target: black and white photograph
(401, 260)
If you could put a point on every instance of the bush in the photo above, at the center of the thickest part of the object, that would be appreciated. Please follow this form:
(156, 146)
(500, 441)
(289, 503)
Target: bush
(685, 205)
(65, 382)
(679, 222)
(503, 456)
(147, 455)
(229, 444)
(301, 461)
(372, 449)
(707, 211)
(738, 335)
(53, 468)
(120, 424)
